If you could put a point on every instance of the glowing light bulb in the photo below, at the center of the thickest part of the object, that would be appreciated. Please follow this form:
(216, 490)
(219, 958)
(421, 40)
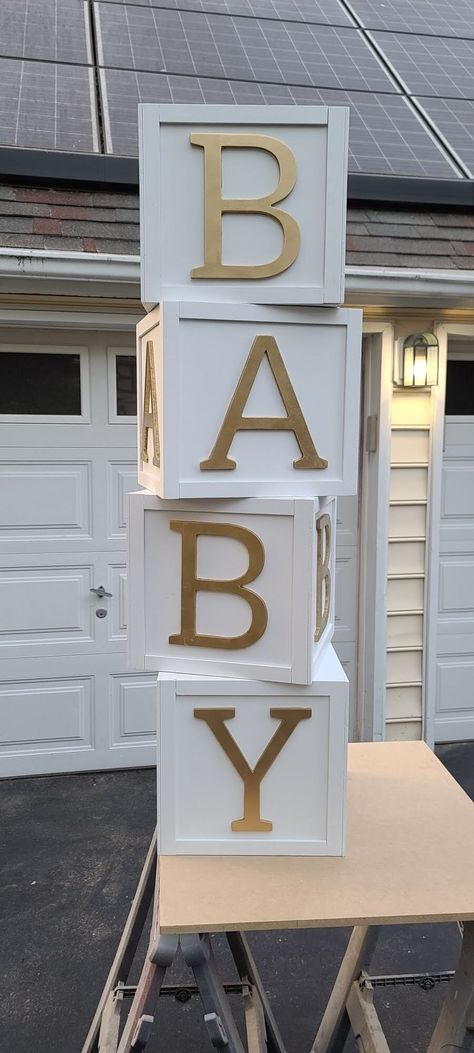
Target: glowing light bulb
(420, 369)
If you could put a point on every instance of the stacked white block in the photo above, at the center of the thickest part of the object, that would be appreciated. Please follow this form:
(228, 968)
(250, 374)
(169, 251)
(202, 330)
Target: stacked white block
(248, 767)
(243, 203)
(231, 588)
(248, 401)
(247, 431)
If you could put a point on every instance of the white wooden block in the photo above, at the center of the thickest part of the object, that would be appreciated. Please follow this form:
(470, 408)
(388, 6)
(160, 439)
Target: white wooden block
(214, 769)
(187, 611)
(198, 164)
(214, 366)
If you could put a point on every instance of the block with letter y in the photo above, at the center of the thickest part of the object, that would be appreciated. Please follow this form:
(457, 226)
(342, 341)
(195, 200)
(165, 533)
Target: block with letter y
(248, 401)
(231, 588)
(250, 767)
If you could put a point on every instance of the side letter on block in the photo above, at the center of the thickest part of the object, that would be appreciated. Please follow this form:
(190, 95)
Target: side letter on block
(252, 779)
(235, 421)
(150, 407)
(215, 205)
(323, 578)
(191, 585)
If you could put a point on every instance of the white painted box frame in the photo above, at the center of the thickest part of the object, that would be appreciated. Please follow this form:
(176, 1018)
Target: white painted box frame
(303, 791)
(200, 356)
(299, 598)
(172, 202)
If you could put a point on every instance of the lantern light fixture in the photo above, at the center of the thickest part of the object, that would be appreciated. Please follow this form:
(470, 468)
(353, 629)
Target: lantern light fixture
(416, 361)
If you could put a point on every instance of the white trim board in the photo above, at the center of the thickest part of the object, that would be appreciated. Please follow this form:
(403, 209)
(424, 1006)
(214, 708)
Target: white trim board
(44, 270)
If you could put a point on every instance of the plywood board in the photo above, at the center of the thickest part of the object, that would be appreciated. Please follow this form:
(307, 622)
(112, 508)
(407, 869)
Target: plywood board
(410, 858)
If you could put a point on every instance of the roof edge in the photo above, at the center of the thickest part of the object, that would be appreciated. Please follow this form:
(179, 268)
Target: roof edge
(102, 273)
(105, 171)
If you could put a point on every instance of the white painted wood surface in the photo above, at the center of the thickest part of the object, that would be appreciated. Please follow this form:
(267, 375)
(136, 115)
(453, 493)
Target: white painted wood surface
(303, 792)
(172, 202)
(68, 700)
(287, 529)
(200, 351)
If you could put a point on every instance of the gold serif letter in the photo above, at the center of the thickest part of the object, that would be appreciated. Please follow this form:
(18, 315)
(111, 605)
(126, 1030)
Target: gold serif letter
(235, 421)
(150, 408)
(191, 585)
(252, 778)
(215, 206)
(323, 577)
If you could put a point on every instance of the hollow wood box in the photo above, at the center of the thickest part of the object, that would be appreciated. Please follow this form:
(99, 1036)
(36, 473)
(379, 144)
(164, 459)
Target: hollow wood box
(239, 400)
(243, 203)
(231, 588)
(252, 768)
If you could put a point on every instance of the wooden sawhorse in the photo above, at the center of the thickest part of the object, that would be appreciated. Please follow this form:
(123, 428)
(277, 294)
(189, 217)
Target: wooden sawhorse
(351, 1005)
(261, 1029)
(407, 817)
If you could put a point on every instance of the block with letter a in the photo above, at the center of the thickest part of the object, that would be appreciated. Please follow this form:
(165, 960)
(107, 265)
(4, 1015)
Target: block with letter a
(243, 203)
(249, 767)
(248, 401)
(231, 588)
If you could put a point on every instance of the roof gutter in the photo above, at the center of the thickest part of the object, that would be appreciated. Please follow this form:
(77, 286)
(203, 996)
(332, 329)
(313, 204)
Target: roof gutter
(96, 274)
(406, 287)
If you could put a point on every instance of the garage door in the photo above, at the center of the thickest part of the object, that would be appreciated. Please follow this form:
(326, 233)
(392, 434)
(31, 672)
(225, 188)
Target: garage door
(68, 702)
(455, 658)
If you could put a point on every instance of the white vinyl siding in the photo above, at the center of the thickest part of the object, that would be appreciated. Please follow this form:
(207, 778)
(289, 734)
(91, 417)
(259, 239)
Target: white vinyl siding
(408, 497)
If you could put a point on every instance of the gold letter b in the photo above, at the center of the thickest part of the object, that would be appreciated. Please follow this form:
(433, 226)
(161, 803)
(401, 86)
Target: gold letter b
(215, 206)
(191, 585)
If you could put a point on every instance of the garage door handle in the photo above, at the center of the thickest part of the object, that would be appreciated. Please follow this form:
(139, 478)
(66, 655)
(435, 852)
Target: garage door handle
(100, 592)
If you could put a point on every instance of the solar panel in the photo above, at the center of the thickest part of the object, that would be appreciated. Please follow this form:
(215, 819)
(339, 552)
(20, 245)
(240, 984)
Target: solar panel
(140, 38)
(434, 17)
(47, 106)
(321, 12)
(439, 66)
(455, 120)
(55, 30)
(385, 135)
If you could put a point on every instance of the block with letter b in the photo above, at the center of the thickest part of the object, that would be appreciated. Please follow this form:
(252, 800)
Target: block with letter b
(243, 203)
(246, 767)
(232, 588)
(248, 401)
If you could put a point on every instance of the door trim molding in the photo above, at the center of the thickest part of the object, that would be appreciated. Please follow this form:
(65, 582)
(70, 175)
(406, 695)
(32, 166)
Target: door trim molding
(373, 534)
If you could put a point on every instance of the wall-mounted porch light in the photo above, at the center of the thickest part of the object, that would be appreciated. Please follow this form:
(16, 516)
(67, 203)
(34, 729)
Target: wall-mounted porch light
(416, 361)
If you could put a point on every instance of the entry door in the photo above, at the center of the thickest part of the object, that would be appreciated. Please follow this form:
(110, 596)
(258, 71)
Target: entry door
(454, 719)
(68, 702)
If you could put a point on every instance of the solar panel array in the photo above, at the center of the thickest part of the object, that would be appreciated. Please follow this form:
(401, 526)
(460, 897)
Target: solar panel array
(74, 71)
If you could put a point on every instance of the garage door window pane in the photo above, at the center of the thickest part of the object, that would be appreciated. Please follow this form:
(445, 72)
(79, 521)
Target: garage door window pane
(126, 385)
(40, 383)
(460, 388)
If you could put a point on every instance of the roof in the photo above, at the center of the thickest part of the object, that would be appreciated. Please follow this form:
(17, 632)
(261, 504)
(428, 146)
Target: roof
(73, 73)
(108, 222)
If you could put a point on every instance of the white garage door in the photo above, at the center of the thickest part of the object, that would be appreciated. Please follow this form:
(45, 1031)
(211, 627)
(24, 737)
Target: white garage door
(68, 702)
(455, 662)
(67, 436)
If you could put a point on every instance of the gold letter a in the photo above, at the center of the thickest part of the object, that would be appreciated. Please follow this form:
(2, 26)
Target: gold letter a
(234, 420)
(150, 412)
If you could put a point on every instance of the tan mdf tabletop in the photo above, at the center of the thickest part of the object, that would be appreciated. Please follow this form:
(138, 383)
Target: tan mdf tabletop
(410, 858)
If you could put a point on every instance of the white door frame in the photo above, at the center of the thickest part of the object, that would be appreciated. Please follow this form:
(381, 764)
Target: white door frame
(373, 532)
